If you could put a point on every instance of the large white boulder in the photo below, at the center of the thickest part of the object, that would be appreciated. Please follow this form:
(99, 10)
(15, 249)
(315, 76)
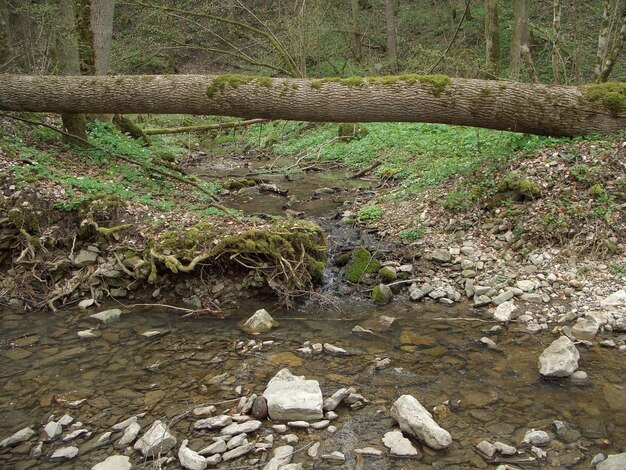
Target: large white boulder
(156, 440)
(560, 359)
(613, 462)
(292, 398)
(260, 322)
(414, 419)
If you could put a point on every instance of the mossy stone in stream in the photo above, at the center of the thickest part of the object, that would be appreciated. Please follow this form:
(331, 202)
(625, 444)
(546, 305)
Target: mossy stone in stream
(360, 264)
(387, 274)
(349, 131)
(381, 294)
(343, 259)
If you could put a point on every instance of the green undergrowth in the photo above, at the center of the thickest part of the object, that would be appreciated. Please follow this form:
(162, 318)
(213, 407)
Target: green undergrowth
(94, 177)
(415, 155)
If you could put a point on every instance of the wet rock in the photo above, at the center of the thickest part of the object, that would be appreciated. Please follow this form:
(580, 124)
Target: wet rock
(399, 445)
(190, 459)
(260, 322)
(414, 419)
(332, 349)
(17, 438)
(486, 448)
(560, 359)
(114, 462)
(203, 411)
(505, 312)
(586, 327)
(237, 452)
(124, 424)
(332, 402)
(335, 456)
(313, 451)
(75, 435)
(369, 451)
(503, 297)
(382, 294)
(382, 363)
(579, 378)
(566, 432)
(52, 429)
(505, 449)
(488, 342)
(416, 293)
(217, 447)
(130, 434)
(64, 453)
(238, 428)
(292, 398)
(536, 438)
(214, 422)
(156, 440)
(107, 316)
(86, 303)
(613, 462)
(359, 330)
(259, 408)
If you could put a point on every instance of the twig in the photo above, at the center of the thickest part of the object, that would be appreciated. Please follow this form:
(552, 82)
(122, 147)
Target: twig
(404, 281)
(363, 172)
(467, 319)
(456, 33)
(189, 311)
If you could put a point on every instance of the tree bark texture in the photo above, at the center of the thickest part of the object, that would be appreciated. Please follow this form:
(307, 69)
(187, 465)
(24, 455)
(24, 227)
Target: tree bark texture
(603, 39)
(19, 35)
(522, 107)
(101, 24)
(492, 38)
(613, 54)
(556, 54)
(518, 38)
(356, 28)
(392, 42)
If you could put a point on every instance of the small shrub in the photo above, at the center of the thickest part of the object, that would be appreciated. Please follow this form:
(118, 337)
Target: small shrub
(412, 234)
(367, 213)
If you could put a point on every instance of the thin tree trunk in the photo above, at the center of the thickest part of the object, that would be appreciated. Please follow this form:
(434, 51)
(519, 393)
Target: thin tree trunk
(530, 64)
(612, 56)
(19, 36)
(302, 23)
(556, 25)
(492, 38)
(356, 28)
(603, 39)
(519, 38)
(69, 64)
(521, 107)
(392, 43)
(101, 24)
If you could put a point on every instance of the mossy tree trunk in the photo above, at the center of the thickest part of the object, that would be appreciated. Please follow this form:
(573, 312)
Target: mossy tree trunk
(521, 107)
(518, 38)
(556, 41)
(392, 42)
(356, 28)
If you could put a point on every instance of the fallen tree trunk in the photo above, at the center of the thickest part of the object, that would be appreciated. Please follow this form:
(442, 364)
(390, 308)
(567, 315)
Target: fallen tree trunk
(521, 107)
(208, 127)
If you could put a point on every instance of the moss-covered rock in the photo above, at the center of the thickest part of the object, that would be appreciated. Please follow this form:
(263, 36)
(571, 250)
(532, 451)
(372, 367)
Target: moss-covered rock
(361, 263)
(381, 294)
(516, 183)
(387, 274)
(349, 131)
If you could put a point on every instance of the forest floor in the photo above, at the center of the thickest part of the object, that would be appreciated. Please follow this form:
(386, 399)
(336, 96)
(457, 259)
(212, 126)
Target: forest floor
(464, 207)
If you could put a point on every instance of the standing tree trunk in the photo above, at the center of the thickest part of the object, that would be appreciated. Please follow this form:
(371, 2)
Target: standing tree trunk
(603, 39)
(556, 25)
(519, 38)
(356, 28)
(492, 38)
(522, 107)
(69, 64)
(19, 36)
(392, 42)
(302, 25)
(606, 67)
(101, 24)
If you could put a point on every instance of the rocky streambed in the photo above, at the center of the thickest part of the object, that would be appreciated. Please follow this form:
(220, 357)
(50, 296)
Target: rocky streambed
(139, 387)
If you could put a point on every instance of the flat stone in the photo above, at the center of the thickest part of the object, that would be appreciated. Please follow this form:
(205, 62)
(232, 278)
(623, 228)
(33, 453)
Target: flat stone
(15, 354)
(414, 419)
(213, 460)
(53, 429)
(156, 440)
(332, 402)
(124, 424)
(332, 349)
(399, 445)
(560, 359)
(130, 434)
(320, 424)
(217, 447)
(292, 398)
(536, 438)
(586, 327)
(441, 255)
(505, 312)
(64, 453)
(369, 451)
(238, 428)
(505, 449)
(75, 435)
(335, 456)
(236, 441)
(17, 438)
(214, 422)
(203, 411)
(107, 316)
(613, 462)
(486, 448)
(85, 258)
(488, 342)
(114, 462)
(237, 452)
(299, 424)
(313, 451)
(503, 297)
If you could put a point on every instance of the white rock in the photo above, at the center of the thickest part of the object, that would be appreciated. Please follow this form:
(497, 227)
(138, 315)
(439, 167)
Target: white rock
(505, 449)
(124, 424)
(333, 401)
(279, 428)
(398, 444)
(525, 285)
(190, 459)
(560, 359)
(65, 420)
(282, 457)
(86, 334)
(236, 441)
(585, 327)
(64, 453)
(332, 349)
(539, 453)
(156, 440)
(130, 434)
(320, 424)
(292, 398)
(414, 419)
(237, 452)
(313, 451)
(75, 434)
(299, 424)
(213, 423)
(236, 428)
(217, 447)
(260, 322)
(613, 462)
(202, 411)
(290, 438)
(505, 312)
(536, 438)
(486, 448)
(17, 438)
(489, 342)
(616, 299)
(86, 303)
(114, 462)
(53, 429)
(335, 456)
(107, 316)
(371, 451)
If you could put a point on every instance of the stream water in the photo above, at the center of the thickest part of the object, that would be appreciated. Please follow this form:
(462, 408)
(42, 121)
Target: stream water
(493, 394)
(434, 352)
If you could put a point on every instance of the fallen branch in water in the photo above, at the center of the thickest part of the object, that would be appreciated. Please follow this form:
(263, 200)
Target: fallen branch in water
(208, 127)
(188, 311)
(467, 319)
(365, 171)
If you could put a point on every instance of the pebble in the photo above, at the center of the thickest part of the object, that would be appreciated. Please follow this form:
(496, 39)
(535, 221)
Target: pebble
(289, 438)
(536, 438)
(64, 453)
(370, 451)
(488, 342)
(313, 451)
(130, 434)
(279, 428)
(17, 438)
(53, 429)
(203, 411)
(335, 456)
(505, 449)
(320, 424)
(237, 452)
(486, 448)
(299, 424)
(217, 447)
(114, 462)
(399, 445)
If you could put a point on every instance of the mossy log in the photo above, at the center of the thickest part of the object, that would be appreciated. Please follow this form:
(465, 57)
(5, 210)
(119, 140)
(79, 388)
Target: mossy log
(208, 127)
(522, 107)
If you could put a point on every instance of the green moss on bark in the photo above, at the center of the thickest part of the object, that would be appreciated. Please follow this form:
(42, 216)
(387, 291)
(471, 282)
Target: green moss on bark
(611, 95)
(234, 81)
